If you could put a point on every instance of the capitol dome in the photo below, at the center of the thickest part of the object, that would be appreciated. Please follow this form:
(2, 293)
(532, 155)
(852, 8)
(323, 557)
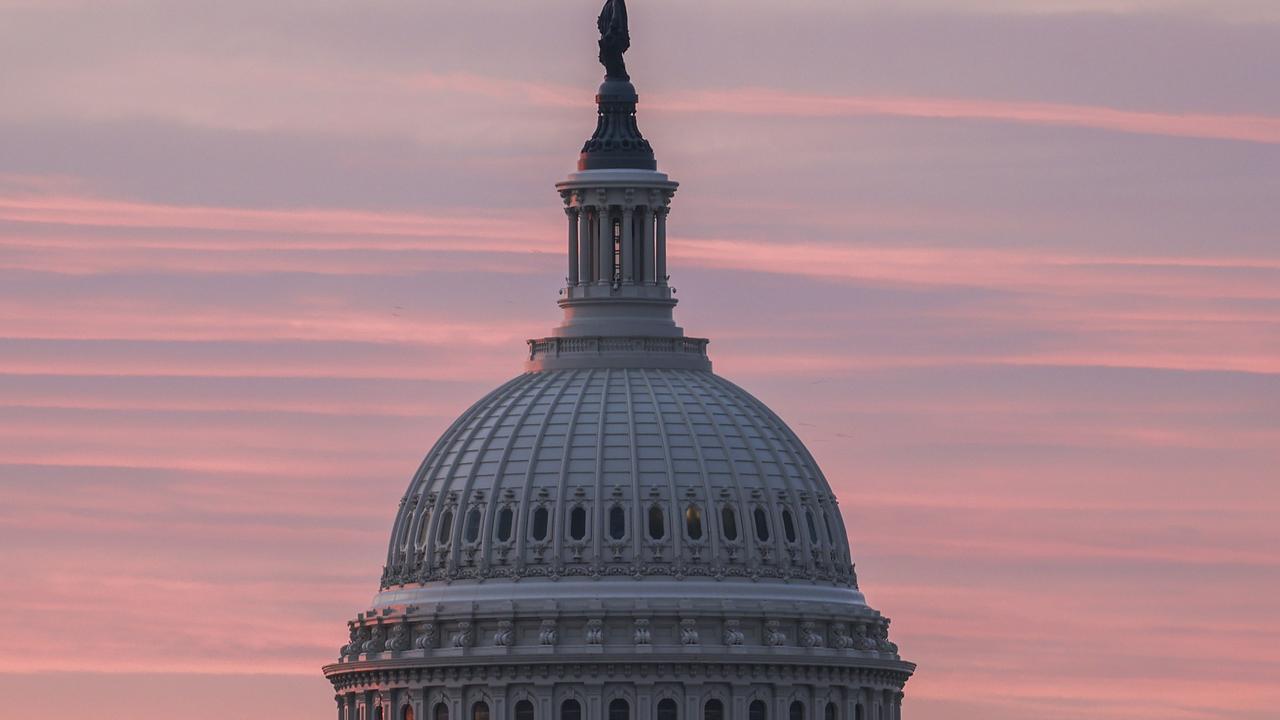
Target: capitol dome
(618, 474)
(618, 533)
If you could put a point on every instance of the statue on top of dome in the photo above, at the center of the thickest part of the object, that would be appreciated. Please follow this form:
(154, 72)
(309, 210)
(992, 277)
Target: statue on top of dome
(615, 39)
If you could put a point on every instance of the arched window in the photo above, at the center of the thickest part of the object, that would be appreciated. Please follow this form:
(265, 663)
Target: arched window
(713, 710)
(797, 710)
(571, 710)
(657, 523)
(617, 522)
(541, 518)
(578, 523)
(758, 711)
(831, 537)
(506, 523)
(693, 522)
(619, 710)
(407, 713)
(859, 713)
(813, 527)
(762, 525)
(472, 531)
(442, 712)
(788, 526)
(831, 713)
(480, 711)
(729, 523)
(524, 710)
(446, 528)
(377, 713)
(668, 710)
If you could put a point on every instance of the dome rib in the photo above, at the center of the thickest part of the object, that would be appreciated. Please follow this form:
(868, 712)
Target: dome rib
(402, 536)
(793, 500)
(803, 459)
(676, 556)
(519, 528)
(499, 475)
(698, 450)
(743, 500)
(637, 512)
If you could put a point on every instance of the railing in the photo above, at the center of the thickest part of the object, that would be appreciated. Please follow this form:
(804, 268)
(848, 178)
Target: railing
(598, 345)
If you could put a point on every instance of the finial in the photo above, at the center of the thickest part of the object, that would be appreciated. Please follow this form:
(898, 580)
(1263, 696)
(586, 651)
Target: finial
(615, 39)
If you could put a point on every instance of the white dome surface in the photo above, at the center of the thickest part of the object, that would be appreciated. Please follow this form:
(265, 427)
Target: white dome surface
(653, 474)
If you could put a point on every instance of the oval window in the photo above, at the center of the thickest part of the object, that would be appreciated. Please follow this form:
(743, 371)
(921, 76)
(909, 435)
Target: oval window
(693, 522)
(788, 525)
(762, 525)
(541, 518)
(425, 526)
(446, 528)
(657, 523)
(506, 522)
(813, 527)
(617, 523)
(578, 523)
(729, 523)
(472, 531)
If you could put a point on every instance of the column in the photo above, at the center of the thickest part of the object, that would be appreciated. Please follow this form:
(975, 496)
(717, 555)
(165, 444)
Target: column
(661, 264)
(584, 244)
(605, 247)
(628, 253)
(572, 214)
(648, 265)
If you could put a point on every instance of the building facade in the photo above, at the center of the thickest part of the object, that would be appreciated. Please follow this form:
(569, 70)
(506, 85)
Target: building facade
(618, 533)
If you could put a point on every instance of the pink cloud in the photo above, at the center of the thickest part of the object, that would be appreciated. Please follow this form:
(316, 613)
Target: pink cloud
(773, 102)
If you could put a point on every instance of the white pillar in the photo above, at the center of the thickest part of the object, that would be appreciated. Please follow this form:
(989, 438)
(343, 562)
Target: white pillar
(584, 244)
(648, 264)
(572, 214)
(628, 254)
(661, 262)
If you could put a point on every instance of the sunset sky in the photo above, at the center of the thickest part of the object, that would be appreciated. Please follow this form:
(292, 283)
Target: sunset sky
(1011, 268)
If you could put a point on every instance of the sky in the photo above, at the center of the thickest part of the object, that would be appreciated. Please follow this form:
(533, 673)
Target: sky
(1009, 267)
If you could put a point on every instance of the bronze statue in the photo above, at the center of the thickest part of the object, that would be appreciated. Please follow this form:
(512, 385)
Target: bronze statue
(614, 39)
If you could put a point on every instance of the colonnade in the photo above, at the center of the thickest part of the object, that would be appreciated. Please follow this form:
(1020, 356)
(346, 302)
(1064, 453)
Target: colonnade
(617, 244)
